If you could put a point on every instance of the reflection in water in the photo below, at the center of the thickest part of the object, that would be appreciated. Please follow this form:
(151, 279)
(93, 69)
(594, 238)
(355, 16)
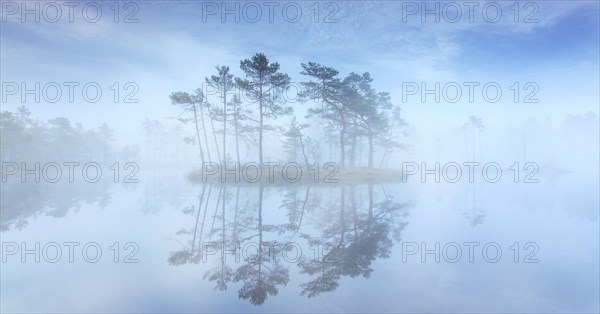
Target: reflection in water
(343, 232)
(472, 204)
(360, 238)
(21, 202)
(345, 235)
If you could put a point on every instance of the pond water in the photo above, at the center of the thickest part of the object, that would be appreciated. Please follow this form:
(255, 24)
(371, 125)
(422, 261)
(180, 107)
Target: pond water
(156, 246)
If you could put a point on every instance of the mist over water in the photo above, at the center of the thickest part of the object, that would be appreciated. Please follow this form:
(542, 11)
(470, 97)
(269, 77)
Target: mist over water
(366, 157)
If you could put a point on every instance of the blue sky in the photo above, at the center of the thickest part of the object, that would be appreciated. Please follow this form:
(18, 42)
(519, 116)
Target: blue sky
(171, 48)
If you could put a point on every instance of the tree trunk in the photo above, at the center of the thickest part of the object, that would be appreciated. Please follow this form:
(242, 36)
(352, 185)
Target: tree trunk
(342, 147)
(237, 139)
(360, 145)
(260, 239)
(212, 124)
(235, 217)
(223, 218)
(212, 227)
(204, 216)
(198, 132)
(224, 119)
(303, 206)
(353, 147)
(200, 200)
(342, 214)
(370, 149)
(204, 131)
(260, 127)
(354, 210)
(303, 152)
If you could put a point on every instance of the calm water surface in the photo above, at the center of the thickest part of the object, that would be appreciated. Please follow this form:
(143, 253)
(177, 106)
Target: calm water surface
(401, 247)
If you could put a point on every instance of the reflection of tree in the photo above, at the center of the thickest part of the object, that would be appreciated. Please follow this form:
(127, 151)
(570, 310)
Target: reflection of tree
(329, 271)
(356, 250)
(20, 202)
(360, 232)
(259, 278)
(223, 274)
(474, 215)
(260, 274)
(191, 255)
(28, 141)
(296, 208)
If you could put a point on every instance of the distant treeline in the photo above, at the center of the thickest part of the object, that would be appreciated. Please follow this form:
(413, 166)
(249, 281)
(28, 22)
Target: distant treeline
(25, 139)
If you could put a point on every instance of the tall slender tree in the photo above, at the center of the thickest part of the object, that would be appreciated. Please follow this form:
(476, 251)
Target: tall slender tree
(264, 83)
(326, 89)
(188, 103)
(213, 114)
(198, 99)
(474, 124)
(223, 83)
(237, 117)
